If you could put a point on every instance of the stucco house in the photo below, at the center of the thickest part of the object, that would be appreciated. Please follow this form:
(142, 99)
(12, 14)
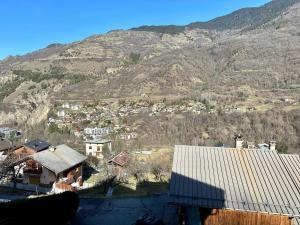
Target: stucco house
(96, 147)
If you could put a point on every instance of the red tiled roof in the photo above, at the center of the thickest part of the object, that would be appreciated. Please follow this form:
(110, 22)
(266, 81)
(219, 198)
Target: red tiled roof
(121, 159)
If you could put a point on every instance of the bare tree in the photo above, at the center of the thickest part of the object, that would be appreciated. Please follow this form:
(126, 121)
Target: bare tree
(10, 167)
(137, 169)
(159, 168)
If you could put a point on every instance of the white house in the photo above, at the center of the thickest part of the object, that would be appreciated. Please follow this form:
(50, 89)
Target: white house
(75, 107)
(66, 105)
(95, 147)
(129, 136)
(61, 113)
(97, 131)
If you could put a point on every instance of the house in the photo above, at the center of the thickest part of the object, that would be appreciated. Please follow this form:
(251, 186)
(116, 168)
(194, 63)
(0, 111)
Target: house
(117, 164)
(31, 147)
(59, 167)
(6, 132)
(75, 107)
(128, 136)
(61, 113)
(235, 186)
(66, 105)
(3, 156)
(96, 147)
(97, 131)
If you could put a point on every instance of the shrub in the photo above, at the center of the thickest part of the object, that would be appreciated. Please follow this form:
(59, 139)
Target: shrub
(32, 87)
(25, 95)
(44, 85)
(135, 57)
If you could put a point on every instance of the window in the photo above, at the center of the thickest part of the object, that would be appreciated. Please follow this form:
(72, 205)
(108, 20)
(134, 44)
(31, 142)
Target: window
(90, 147)
(98, 148)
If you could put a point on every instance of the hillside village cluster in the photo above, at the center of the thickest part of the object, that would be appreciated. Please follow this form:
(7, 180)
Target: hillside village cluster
(97, 120)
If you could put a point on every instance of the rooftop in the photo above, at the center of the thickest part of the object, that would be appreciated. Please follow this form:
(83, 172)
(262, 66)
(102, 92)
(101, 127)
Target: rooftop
(120, 159)
(239, 179)
(37, 145)
(102, 141)
(60, 159)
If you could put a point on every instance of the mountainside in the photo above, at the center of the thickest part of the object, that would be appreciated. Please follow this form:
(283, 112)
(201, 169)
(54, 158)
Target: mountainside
(247, 18)
(250, 58)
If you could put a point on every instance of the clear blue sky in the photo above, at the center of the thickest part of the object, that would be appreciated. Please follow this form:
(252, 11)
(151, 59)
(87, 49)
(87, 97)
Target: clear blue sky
(27, 25)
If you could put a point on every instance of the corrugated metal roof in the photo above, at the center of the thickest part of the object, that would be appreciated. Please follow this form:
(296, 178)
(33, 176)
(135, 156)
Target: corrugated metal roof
(292, 163)
(59, 160)
(242, 179)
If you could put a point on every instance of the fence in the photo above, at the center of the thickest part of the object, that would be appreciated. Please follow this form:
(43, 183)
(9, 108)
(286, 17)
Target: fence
(26, 187)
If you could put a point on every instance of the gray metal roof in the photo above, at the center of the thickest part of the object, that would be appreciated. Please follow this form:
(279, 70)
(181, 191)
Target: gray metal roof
(242, 179)
(102, 141)
(292, 163)
(59, 160)
(37, 145)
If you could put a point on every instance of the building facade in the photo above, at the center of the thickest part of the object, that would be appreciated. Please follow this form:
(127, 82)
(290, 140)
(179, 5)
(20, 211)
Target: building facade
(96, 147)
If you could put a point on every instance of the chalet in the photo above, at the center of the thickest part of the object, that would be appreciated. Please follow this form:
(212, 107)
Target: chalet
(30, 148)
(217, 185)
(59, 167)
(96, 147)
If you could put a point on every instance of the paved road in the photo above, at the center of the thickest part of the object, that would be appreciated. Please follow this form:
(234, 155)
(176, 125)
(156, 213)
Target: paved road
(123, 211)
(115, 211)
(7, 197)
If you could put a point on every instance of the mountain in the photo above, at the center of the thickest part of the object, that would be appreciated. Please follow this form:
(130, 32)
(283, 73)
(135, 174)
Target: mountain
(247, 18)
(247, 59)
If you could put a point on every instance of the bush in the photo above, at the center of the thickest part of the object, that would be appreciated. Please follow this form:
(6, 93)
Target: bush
(32, 87)
(135, 57)
(44, 85)
(53, 209)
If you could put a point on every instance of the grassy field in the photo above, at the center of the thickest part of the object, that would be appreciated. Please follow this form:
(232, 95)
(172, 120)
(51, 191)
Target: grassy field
(291, 107)
(127, 190)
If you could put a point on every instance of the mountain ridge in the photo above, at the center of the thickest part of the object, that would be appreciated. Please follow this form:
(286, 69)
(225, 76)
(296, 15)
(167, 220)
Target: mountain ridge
(197, 63)
(239, 19)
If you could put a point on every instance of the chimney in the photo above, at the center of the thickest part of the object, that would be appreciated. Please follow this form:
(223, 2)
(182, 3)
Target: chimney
(238, 141)
(52, 148)
(250, 145)
(272, 145)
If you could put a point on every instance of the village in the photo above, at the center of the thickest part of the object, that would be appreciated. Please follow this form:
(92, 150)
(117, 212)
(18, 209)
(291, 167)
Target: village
(150, 112)
(163, 175)
(94, 120)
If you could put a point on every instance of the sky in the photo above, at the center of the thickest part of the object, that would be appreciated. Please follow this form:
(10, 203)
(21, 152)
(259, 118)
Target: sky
(28, 25)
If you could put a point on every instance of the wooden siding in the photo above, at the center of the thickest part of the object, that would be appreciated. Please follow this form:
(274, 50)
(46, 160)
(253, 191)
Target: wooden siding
(233, 217)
